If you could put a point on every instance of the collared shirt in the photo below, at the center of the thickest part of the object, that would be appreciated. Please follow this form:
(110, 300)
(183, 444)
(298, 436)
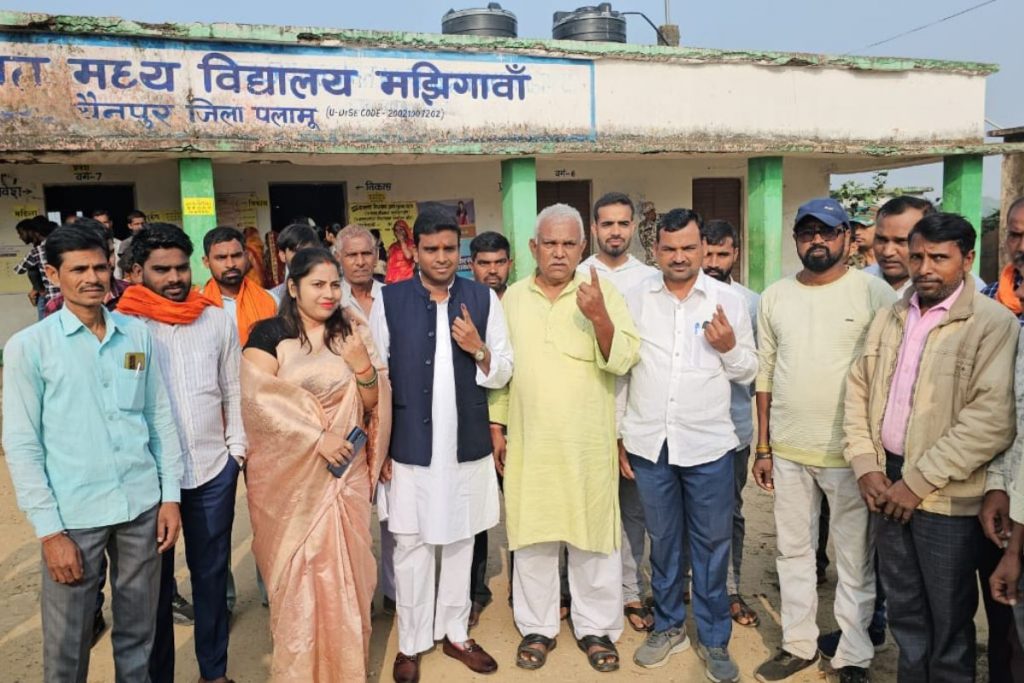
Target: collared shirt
(90, 442)
(741, 407)
(625, 277)
(36, 260)
(680, 390)
(447, 501)
(200, 364)
(901, 392)
(348, 300)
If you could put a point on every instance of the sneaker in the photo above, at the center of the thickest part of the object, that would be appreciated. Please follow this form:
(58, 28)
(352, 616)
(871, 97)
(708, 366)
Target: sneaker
(828, 643)
(782, 666)
(718, 665)
(853, 674)
(659, 645)
(182, 610)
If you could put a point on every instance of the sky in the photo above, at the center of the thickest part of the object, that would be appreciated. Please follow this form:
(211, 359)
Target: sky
(988, 34)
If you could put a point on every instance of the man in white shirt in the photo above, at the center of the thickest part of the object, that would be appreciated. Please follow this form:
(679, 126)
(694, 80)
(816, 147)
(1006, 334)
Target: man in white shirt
(356, 250)
(679, 440)
(446, 343)
(612, 228)
(196, 347)
(721, 252)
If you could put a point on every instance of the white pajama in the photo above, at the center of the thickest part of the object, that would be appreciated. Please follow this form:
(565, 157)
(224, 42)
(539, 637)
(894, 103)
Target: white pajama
(423, 617)
(595, 583)
(798, 491)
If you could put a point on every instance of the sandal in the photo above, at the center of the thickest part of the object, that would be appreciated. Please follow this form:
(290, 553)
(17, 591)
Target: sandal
(642, 613)
(599, 659)
(529, 657)
(741, 612)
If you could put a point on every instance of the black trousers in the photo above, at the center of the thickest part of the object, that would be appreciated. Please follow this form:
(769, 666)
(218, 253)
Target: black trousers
(929, 571)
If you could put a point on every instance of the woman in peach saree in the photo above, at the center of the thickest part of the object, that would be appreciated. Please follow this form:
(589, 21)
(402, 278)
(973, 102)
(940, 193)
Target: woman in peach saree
(309, 376)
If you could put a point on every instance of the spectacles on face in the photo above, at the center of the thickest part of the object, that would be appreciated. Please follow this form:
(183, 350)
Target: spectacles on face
(827, 233)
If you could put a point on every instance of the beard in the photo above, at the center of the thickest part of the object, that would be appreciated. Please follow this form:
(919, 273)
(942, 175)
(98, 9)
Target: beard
(820, 259)
(717, 273)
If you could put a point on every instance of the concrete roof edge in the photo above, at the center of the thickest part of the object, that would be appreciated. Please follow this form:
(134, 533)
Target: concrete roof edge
(87, 25)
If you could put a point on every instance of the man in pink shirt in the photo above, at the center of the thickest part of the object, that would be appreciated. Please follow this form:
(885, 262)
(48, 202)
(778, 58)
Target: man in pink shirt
(928, 405)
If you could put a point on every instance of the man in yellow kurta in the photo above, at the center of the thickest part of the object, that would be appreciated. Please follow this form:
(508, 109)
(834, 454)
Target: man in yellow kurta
(571, 335)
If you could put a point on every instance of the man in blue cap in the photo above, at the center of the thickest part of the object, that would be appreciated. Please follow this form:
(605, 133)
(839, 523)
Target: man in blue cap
(810, 328)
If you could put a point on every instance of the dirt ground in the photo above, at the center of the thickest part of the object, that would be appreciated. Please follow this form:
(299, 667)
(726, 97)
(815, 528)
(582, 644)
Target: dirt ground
(249, 655)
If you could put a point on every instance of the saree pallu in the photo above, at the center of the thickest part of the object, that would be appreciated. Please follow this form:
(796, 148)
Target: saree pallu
(311, 532)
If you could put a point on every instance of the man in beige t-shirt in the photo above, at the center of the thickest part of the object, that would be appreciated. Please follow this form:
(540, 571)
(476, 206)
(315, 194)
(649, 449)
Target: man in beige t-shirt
(810, 329)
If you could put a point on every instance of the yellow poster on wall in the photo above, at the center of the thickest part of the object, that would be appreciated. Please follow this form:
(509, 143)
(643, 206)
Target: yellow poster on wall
(382, 215)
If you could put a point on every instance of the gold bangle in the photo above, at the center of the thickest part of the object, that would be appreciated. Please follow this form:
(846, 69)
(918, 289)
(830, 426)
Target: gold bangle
(763, 456)
(762, 448)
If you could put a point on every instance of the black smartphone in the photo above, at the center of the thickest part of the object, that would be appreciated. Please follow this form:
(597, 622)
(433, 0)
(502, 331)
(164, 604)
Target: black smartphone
(357, 437)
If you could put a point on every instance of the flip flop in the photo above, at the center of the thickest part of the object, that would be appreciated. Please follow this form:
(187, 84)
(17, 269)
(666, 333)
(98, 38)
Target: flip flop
(640, 612)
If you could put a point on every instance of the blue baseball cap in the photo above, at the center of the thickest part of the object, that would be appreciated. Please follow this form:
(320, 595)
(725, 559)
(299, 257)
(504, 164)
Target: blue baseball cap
(827, 210)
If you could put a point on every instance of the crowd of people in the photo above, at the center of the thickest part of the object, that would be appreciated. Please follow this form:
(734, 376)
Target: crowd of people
(609, 402)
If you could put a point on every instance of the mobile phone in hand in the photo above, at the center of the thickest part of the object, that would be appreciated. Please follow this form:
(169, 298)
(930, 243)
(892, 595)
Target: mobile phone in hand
(357, 437)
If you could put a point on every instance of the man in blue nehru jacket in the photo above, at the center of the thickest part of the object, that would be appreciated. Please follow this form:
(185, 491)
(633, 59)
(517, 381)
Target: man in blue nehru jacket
(445, 341)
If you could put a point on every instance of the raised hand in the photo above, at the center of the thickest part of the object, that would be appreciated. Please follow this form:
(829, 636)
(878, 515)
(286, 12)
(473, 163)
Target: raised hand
(353, 350)
(590, 298)
(719, 332)
(465, 334)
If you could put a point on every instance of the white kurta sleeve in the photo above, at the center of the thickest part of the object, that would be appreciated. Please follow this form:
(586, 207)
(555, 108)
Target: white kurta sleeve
(501, 349)
(379, 331)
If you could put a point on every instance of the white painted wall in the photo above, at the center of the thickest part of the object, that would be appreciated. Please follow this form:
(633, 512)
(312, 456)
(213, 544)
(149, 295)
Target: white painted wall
(720, 101)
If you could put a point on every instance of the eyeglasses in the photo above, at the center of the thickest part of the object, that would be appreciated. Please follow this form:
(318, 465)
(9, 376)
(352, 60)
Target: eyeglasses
(828, 234)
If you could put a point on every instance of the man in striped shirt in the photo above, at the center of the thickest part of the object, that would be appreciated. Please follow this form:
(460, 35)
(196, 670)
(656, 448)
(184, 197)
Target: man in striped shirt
(196, 347)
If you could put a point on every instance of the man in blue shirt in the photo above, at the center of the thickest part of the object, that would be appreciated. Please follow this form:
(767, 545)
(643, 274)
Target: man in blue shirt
(95, 460)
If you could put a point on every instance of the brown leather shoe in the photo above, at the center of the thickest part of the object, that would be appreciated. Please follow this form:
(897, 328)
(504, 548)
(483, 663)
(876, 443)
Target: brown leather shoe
(472, 655)
(407, 669)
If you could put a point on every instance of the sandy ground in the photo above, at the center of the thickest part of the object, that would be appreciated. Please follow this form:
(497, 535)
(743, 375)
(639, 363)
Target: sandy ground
(249, 656)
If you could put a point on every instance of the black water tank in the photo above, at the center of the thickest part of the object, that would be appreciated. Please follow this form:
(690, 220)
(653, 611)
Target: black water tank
(488, 21)
(599, 23)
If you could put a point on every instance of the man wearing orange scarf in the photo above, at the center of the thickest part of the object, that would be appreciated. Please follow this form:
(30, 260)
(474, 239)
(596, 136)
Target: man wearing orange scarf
(228, 288)
(196, 348)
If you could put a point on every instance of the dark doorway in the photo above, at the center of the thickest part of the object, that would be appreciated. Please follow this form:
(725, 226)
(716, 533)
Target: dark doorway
(575, 193)
(71, 200)
(721, 199)
(323, 202)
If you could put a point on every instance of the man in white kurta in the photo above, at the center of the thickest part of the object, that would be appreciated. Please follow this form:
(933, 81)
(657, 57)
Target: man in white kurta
(444, 503)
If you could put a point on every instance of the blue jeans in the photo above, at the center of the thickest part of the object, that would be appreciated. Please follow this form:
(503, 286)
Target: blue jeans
(207, 514)
(693, 506)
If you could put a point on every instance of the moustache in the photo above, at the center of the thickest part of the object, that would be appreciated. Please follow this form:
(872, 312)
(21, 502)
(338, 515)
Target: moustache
(1018, 259)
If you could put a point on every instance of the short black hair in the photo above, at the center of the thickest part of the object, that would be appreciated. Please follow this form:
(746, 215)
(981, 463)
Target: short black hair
(677, 219)
(136, 214)
(296, 236)
(944, 227)
(716, 231)
(432, 221)
(73, 238)
(224, 233)
(487, 242)
(334, 228)
(157, 236)
(899, 205)
(612, 198)
(99, 212)
(84, 223)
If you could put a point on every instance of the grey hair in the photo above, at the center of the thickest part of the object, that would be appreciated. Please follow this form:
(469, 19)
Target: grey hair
(351, 231)
(559, 212)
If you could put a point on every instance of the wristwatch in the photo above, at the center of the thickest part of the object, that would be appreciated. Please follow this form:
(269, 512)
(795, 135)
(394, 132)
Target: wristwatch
(480, 354)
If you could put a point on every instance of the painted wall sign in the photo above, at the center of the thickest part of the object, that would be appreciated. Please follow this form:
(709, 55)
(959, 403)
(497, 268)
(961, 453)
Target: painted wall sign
(139, 90)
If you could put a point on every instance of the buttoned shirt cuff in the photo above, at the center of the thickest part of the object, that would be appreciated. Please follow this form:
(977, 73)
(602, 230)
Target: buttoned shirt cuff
(170, 493)
(865, 463)
(763, 385)
(994, 480)
(732, 356)
(46, 523)
(916, 482)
